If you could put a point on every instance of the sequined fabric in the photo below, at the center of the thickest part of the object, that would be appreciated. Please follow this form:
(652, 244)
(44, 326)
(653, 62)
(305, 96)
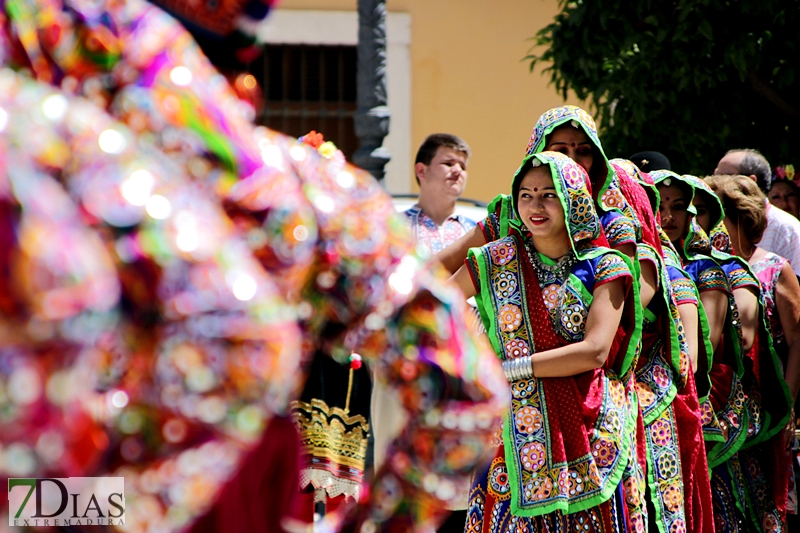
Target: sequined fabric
(214, 294)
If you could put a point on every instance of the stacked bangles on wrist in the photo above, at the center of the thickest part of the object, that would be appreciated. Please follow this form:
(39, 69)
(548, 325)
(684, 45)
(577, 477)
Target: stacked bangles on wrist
(518, 369)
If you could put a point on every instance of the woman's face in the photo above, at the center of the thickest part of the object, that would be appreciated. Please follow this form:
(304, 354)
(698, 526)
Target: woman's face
(674, 217)
(703, 216)
(539, 206)
(784, 196)
(573, 143)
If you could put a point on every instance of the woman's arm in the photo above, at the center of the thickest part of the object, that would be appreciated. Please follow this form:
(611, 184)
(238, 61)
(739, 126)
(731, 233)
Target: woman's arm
(602, 323)
(747, 304)
(453, 256)
(691, 328)
(715, 304)
(628, 249)
(787, 301)
(648, 282)
(463, 280)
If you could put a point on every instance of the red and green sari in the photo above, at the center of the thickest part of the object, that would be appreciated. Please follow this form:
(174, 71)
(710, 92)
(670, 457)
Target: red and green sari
(568, 453)
(680, 497)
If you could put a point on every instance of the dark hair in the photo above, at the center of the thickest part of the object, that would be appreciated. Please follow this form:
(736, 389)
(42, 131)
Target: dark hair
(427, 150)
(686, 189)
(755, 164)
(743, 203)
(792, 185)
(526, 167)
(650, 161)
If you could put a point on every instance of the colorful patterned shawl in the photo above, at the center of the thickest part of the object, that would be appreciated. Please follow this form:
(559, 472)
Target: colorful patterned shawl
(573, 457)
(616, 217)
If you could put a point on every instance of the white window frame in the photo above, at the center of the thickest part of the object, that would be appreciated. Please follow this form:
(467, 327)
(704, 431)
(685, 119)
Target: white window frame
(294, 26)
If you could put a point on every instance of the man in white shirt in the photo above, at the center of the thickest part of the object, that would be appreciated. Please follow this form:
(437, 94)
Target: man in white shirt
(441, 172)
(782, 236)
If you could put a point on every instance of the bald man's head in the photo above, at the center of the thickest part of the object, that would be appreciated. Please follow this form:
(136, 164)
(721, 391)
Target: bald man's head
(747, 162)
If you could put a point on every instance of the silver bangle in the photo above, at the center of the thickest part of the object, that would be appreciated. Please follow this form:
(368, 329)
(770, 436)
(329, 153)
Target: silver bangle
(518, 369)
(512, 371)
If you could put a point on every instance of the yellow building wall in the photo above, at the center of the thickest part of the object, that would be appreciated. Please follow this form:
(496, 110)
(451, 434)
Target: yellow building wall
(468, 77)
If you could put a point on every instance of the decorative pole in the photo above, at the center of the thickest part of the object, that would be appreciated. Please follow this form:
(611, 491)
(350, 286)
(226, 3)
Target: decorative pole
(372, 114)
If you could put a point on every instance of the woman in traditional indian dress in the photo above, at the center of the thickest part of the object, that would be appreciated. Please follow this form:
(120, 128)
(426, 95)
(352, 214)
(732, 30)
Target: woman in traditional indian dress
(745, 218)
(562, 311)
(733, 410)
(678, 497)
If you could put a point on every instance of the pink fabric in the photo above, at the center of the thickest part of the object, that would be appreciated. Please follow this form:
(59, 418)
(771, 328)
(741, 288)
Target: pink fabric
(782, 236)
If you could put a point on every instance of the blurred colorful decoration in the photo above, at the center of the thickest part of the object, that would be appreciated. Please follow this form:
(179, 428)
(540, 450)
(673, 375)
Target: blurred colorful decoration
(168, 270)
(225, 29)
(785, 172)
(146, 336)
(332, 414)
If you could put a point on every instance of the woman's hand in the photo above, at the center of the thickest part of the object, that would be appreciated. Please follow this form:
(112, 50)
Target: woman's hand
(453, 256)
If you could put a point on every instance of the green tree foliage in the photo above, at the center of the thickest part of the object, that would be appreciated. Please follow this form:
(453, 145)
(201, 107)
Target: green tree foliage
(689, 78)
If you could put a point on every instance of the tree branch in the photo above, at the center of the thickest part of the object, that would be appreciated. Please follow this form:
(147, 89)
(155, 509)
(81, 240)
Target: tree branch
(772, 97)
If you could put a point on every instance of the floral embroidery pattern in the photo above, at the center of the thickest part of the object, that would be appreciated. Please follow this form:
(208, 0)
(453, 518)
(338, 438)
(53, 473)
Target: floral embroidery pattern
(503, 253)
(664, 471)
(510, 317)
(516, 348)
(733, 420)
(528, 420)
(499, 486)
(505, 284)
(654, 382)
(553, 118)
(613, 198)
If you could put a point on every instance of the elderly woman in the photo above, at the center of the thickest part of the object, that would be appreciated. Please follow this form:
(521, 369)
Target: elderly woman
(785, 194)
